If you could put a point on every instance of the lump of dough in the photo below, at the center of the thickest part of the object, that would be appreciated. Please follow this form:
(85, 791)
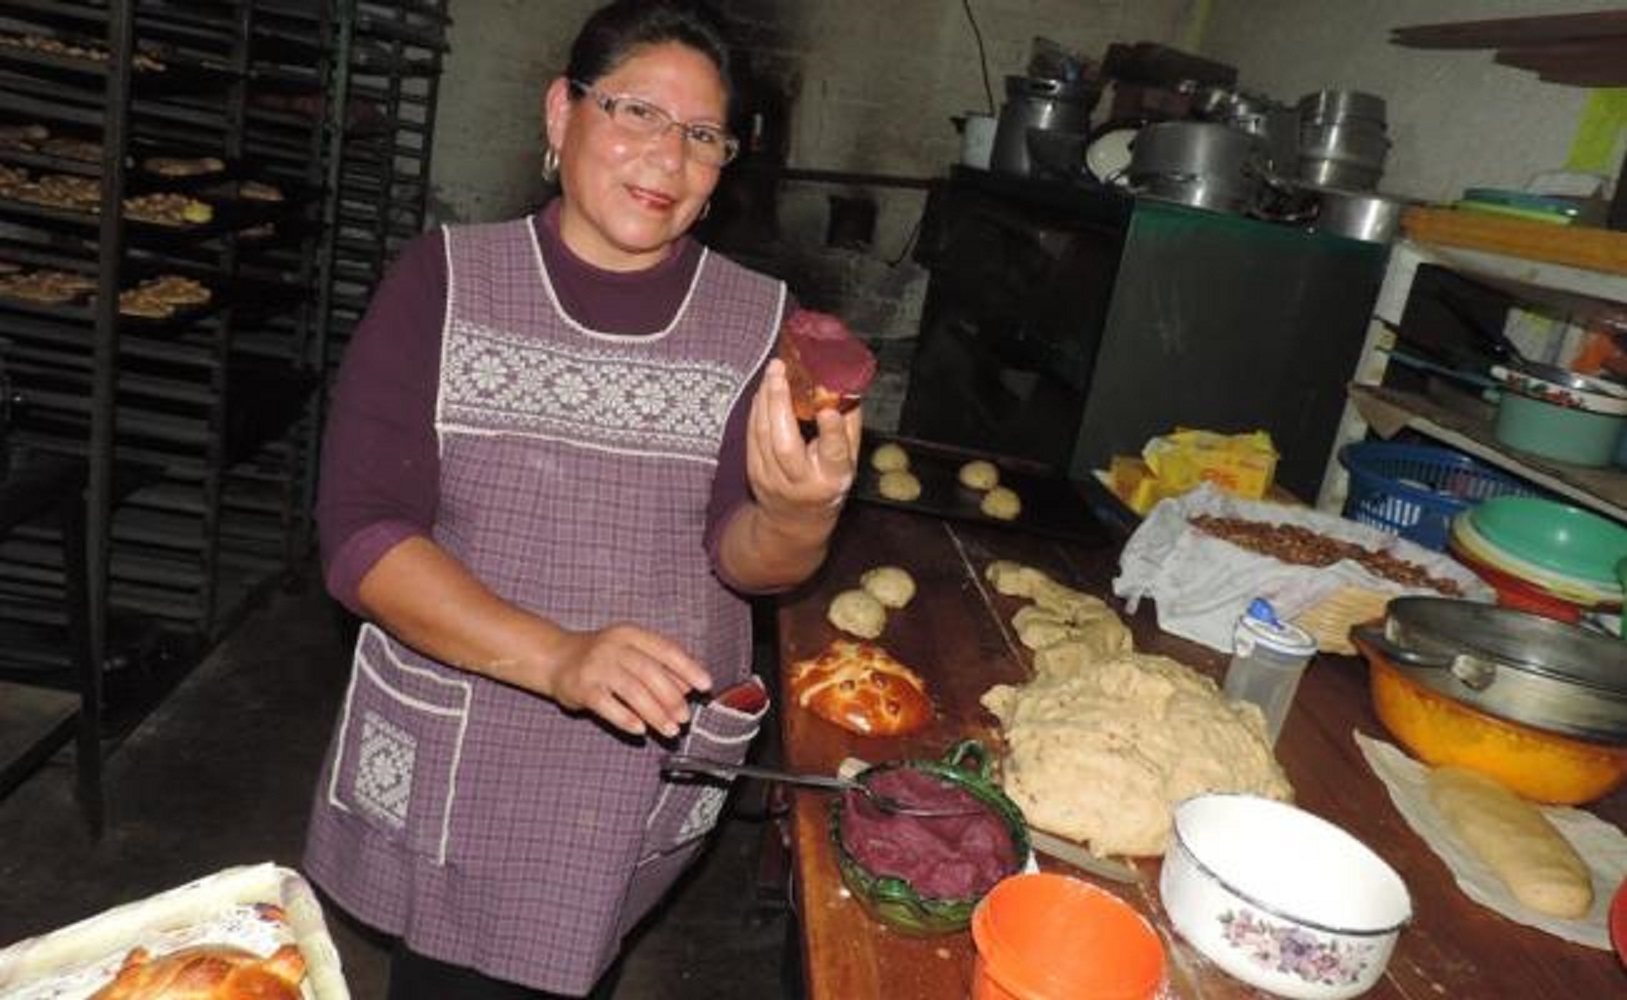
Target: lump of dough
(899, 485)
(1103, 754)
(1001, 503)
(1097, 635)
(856, 612)
(1013, 579)
(980, 475)
(889, 458)
(890, 585)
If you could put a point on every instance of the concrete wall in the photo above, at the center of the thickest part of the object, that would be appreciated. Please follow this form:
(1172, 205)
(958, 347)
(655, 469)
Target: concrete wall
(1456, 118)
(873, 85)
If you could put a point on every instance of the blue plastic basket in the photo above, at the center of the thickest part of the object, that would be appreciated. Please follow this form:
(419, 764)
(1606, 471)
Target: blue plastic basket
(1414, 491)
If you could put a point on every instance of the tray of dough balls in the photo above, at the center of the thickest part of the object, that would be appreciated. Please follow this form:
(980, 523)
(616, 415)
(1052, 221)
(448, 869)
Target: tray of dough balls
(251, 931)
(947, 481)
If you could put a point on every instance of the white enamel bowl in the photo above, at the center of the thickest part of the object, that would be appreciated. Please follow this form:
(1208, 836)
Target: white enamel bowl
(1281, 899)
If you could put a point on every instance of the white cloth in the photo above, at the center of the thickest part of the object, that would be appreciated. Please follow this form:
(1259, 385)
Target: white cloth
(1601, 845)
(1203, 584)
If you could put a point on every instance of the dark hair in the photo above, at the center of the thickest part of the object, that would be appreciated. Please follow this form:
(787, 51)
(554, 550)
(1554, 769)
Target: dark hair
(618, 30)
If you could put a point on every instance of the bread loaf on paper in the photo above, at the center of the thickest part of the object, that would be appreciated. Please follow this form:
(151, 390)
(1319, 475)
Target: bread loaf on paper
(1515, 840)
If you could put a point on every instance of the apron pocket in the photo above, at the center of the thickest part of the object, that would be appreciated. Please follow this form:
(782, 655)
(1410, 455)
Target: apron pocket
(399, 745)
(689, 807)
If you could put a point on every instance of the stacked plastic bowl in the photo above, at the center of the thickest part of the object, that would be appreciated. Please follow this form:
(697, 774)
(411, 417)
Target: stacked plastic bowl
(1559, 414)
(1542, 556)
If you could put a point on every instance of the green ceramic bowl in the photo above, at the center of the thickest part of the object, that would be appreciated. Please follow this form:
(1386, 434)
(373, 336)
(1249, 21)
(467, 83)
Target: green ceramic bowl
(1553, 536)
(892, 900)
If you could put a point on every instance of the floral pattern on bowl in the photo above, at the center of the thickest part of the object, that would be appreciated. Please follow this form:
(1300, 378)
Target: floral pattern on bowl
(1287, 948)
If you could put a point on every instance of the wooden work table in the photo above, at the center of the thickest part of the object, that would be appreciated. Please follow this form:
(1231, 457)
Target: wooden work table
(956, 633)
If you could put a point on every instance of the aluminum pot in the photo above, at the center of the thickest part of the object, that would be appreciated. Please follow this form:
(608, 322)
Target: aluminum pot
(1339, 105)
(1043, 105)
(1358, 215)
(1342, 139)
(1510, 664)
(1204, 164)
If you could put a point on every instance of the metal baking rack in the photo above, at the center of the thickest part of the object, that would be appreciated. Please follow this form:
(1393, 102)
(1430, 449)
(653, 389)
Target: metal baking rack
(381, 177)
(217, 405)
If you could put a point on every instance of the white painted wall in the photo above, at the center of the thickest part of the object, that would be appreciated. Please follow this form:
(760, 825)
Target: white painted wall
(1456, 118)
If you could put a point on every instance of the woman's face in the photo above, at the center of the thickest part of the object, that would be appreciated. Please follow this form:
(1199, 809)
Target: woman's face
(626, 196)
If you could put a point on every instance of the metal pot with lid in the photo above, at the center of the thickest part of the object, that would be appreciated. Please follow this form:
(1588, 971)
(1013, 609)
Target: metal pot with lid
(1510, 664)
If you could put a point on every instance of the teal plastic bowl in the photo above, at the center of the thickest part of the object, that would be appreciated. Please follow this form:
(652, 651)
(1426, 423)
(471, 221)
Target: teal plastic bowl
(1580, 437)
(1554, 536)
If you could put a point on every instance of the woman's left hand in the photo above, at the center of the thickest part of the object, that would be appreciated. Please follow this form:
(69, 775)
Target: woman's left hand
(799, 484)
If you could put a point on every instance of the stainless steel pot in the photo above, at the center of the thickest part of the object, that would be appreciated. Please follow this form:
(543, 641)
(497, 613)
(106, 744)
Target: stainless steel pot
(1043, 105)
(1511, 664)
(1204, 164)
(1358, 215)
(1343, 141)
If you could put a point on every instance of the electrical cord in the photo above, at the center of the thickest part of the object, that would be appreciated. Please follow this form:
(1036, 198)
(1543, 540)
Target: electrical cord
(982, 54)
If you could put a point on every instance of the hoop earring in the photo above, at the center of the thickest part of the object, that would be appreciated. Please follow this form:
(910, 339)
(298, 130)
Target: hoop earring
(550, 164)
(706, 210)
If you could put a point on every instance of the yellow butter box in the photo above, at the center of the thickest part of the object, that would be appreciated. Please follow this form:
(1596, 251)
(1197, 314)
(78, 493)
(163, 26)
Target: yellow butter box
(1133, 482)
(1243, 465)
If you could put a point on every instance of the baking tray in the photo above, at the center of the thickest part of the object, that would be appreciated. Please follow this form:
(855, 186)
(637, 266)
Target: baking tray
(75, 961)
(1051, 504)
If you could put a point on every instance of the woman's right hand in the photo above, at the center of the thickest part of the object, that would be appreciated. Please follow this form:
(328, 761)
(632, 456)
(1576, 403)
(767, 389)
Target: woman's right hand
(630, 677)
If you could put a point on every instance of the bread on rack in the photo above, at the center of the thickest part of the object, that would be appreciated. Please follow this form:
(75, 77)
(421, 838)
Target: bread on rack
(207, 972)
(178, 166)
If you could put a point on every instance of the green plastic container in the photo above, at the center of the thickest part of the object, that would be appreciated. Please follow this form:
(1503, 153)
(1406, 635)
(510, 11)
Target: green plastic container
(1554, 536)
(1580, 437)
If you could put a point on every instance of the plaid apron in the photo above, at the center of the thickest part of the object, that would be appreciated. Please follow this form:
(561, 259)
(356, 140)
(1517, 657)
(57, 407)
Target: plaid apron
(481, 823)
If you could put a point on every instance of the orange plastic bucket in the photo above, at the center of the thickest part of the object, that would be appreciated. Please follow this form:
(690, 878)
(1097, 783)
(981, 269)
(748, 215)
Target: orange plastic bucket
(1042, 936)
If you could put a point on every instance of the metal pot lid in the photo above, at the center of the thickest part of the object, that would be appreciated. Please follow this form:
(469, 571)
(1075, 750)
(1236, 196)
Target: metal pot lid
(1508, 664)
(1517, 639)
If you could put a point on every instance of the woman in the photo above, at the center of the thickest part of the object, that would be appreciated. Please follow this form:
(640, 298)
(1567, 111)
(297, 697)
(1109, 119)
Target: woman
(558, 453)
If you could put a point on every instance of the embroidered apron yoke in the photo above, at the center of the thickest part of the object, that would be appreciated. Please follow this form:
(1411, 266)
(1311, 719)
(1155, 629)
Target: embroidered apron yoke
(482, 823)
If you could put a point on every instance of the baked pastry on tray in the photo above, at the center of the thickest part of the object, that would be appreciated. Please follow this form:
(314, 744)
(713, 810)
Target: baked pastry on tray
(862, 688)
(207, 972)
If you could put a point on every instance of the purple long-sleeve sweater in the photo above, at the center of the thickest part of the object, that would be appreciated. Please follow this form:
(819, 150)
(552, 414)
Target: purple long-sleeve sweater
(380, 469)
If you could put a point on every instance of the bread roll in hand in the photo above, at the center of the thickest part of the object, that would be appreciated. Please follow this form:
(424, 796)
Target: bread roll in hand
(827, 366)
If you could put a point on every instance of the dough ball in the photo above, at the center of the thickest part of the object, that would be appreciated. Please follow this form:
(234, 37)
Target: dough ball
(890, 585)
(980, 475)
(889, 458)
(1013, 579)
(857, 613)
(1002, 504)
(899, 485)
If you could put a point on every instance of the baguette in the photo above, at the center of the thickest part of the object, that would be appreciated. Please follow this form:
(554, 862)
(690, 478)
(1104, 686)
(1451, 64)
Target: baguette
(1515, 840)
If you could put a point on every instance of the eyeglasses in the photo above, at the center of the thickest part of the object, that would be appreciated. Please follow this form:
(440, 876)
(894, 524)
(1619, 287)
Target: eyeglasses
(708, 144)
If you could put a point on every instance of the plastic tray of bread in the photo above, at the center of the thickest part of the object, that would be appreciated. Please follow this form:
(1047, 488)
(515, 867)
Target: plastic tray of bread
(254, 908)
